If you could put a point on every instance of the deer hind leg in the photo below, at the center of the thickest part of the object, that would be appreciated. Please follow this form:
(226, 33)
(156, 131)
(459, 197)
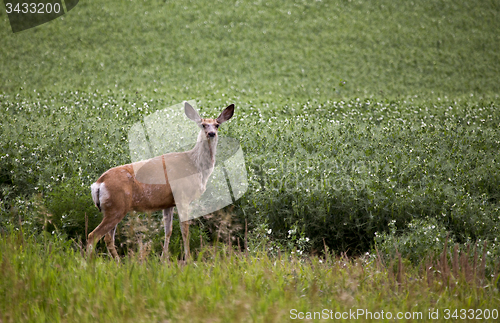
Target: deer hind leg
(109, 238)
(168, 217)
(185, 238)
(107, 224)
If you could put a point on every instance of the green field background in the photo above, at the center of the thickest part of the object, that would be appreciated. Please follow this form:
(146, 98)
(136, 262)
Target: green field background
(261, 50)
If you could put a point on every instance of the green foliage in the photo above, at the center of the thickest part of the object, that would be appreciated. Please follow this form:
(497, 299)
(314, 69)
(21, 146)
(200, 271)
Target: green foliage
(261, 50)
(344, 170)
(260, 239)
(423, 241)
(67, 205)
(423, 237)
(47, 139)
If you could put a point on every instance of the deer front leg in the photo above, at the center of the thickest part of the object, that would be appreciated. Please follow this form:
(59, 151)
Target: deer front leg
(185, 238)
(168, 216)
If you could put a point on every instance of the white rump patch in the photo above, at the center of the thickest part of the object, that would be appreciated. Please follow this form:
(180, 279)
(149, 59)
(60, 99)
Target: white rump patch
(94, 189)
(99, 194)
(103, 194)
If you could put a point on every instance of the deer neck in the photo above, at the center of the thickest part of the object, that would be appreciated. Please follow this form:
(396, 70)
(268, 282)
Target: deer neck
(203, 154)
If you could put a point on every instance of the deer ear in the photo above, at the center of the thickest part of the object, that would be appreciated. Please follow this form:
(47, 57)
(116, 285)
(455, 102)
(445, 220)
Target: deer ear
(191, 112)
(226, 114)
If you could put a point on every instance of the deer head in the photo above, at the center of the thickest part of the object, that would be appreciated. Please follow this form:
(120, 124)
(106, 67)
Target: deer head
(209, 126)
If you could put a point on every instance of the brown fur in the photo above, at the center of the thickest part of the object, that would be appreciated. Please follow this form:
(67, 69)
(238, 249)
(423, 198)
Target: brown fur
(145, 185)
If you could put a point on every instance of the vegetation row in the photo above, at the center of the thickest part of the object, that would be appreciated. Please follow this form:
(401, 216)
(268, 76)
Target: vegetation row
(337, 172)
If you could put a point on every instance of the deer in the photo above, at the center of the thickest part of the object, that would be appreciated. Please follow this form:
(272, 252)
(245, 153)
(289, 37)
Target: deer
(160, 183)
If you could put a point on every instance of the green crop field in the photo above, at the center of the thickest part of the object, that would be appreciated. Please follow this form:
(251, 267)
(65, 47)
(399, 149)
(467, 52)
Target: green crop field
(371, 137)
(259, 50)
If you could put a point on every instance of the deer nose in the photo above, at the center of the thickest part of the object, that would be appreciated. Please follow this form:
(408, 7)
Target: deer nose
(211, 134)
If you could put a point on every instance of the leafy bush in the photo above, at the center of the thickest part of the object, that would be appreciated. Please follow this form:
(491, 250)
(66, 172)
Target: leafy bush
(422, 238)
(68, 204)
(261, 239)
(344, 170)
(426, 241)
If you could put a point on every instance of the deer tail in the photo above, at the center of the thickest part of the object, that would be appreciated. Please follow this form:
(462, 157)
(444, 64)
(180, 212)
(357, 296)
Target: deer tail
(95, 188)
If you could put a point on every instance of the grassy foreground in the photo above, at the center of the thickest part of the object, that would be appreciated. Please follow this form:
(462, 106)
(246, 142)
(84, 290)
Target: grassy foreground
(48, 280)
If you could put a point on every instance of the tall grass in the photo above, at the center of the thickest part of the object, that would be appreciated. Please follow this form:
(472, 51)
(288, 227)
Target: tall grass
(47, 280)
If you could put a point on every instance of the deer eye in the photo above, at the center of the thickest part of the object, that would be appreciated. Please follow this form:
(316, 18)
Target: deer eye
(217, 126)
(204, 125)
